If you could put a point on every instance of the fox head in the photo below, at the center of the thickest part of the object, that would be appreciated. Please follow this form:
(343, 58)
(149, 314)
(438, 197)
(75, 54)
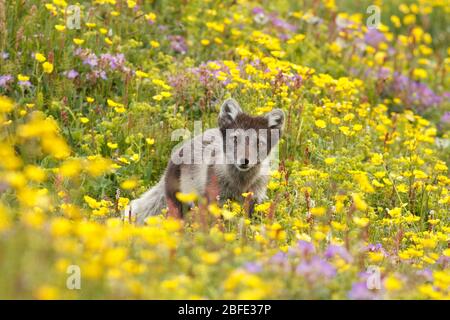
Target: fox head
(248, 140)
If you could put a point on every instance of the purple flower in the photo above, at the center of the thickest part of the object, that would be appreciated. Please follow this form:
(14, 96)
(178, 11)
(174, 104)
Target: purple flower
(304, 248)
(341, 251)
(444, 261)
(315, 269)
(91, 60)
(257, 10)
(25, 84)
(178, 44)
(426, 273)
(71, 74)
(253, 267)
(373, 37)
(444, 119)
(5, 80)
(360, 291)
(282, 24)
(415, 92)
(114, 61)
(383, 73)
(376, 248)
(279, 258)
(94, 75)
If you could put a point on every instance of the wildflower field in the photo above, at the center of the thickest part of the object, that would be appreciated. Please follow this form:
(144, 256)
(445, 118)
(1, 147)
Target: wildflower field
(90, 92)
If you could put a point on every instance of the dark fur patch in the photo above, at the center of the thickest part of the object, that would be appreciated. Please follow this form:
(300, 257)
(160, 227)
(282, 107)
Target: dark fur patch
(172, 184)
(245, 121)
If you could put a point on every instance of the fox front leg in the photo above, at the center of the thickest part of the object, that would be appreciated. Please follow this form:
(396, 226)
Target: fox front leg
(259, 189)
(172, 187)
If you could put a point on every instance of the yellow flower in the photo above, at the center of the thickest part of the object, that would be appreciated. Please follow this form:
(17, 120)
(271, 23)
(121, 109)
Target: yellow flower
(210, 257)
(112, 145)
(335, 120)
(48, 67)
(186, 197)
(318, 211)
(330, 161)
(228, 215)
(60, 3)
(359, 203)
(402, 188)
(60, 226)
(409, 19)
(396, 21)
(84, 120)
(70, 168)
(6, 104)
(320, 124)
(90, 99)
(21, 77)
(364, 183)
(60, 27)
(391, 283)
(345, 130)
(40, 57)
(91, 202)
(420, 73)
(446, 252)
(154, 44)
(78, 41)
(47, 293)
(151, 17)
(115, 256)
(361, 222)
(205, 42)
(395, 212)
(419, 174)
(129, 184)
(214, 209)
(35, 173)
(5, 220)
(375, 256)
(142, 74)
(98, 165)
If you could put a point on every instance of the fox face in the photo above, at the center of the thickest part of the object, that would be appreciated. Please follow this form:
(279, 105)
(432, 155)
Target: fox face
(248, 140)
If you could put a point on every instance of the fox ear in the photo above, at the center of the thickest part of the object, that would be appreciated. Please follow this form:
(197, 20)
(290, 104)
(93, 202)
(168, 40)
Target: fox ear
(228, 112)
(275, 119)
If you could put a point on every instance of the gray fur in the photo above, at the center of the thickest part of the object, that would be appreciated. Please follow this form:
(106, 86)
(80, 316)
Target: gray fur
(194, 177)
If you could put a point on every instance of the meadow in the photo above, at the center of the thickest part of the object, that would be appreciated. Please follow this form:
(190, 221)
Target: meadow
(90, 92)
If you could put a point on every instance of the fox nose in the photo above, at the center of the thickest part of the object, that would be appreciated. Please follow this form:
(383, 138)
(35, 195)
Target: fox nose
(244, 162)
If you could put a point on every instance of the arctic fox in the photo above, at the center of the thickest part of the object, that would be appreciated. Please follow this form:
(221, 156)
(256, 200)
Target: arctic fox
(232, 159)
